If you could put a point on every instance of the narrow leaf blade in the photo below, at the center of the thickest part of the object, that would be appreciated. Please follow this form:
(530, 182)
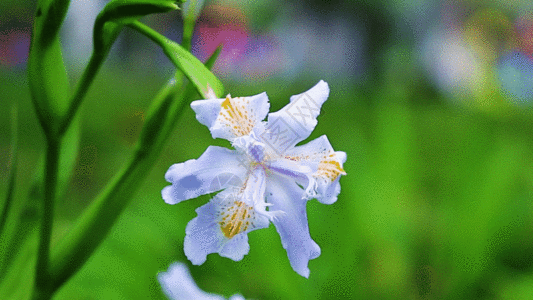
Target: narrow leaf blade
(117, 13)
(193, 68)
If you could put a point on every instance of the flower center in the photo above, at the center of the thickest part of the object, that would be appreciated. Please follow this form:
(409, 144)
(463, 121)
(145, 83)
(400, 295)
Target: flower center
(236, 219)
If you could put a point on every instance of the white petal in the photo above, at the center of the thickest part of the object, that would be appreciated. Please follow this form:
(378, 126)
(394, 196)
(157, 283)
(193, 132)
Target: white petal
(310, 154)
(295, 122)
(254, 190)
(178, 284)
(328, 189)
(286, 195)
(207, 111)
(221, 227)
(295, 171)
(230, 118)
(216, 169)
(326, 164)
(327, 177)
(254, 193)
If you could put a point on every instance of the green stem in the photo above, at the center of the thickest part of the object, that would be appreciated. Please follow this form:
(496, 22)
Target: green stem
(95, 62)
(43, 287)
(188, 29)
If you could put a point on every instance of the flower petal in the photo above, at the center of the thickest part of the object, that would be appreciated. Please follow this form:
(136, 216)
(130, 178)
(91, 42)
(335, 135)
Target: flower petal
(253, 193)
(295, 171)
(221, 227)
(326, 164)
(207, 110)
(178, 284)
(327, 177)
(230, 118)
(285, 195)
(217, 169)
(295, 122)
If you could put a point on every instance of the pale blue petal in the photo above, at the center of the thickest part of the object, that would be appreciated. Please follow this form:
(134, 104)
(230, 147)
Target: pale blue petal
(312, 154)
(204, 234)
(236, 248)
(230, 118)
(237, 297)
(295, 122)
(254, 190)
(286, 195)
(178, 284)
(217, 169)
(297, 172)
(207, 111)
(327, 190)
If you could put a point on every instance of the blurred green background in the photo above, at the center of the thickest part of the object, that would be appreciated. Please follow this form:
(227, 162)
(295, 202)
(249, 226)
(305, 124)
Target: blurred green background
(430, 100)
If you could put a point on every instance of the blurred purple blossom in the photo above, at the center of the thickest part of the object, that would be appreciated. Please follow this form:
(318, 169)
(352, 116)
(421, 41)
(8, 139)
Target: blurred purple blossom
(14, 47)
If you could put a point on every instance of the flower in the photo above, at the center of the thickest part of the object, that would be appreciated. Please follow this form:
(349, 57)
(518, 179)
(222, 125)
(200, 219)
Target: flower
(178, 284)
(266, 169)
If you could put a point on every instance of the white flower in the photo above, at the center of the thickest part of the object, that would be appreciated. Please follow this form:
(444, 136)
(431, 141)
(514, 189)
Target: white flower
(266, 169)
(178, 284)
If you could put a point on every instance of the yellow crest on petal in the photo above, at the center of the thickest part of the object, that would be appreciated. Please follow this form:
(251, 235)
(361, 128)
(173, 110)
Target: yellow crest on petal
(236, 218)
(236, 114)
(330, 168)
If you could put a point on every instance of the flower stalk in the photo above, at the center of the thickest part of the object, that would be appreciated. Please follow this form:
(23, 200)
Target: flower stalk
(43, 287)
(89, 74)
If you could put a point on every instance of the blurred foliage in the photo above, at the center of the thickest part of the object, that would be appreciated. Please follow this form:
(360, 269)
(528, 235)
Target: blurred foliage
(436, 203)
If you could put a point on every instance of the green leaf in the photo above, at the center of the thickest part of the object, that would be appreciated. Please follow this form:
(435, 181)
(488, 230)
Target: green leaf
(18, 280)
(23, 222)
(18, 240)
(96, 221)
(47, 75)
(193, 68)
(69, 150)
(210, 62)
(157, 117)
(118, 13)
(12, 172)
(166, 109)
(5, 232)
